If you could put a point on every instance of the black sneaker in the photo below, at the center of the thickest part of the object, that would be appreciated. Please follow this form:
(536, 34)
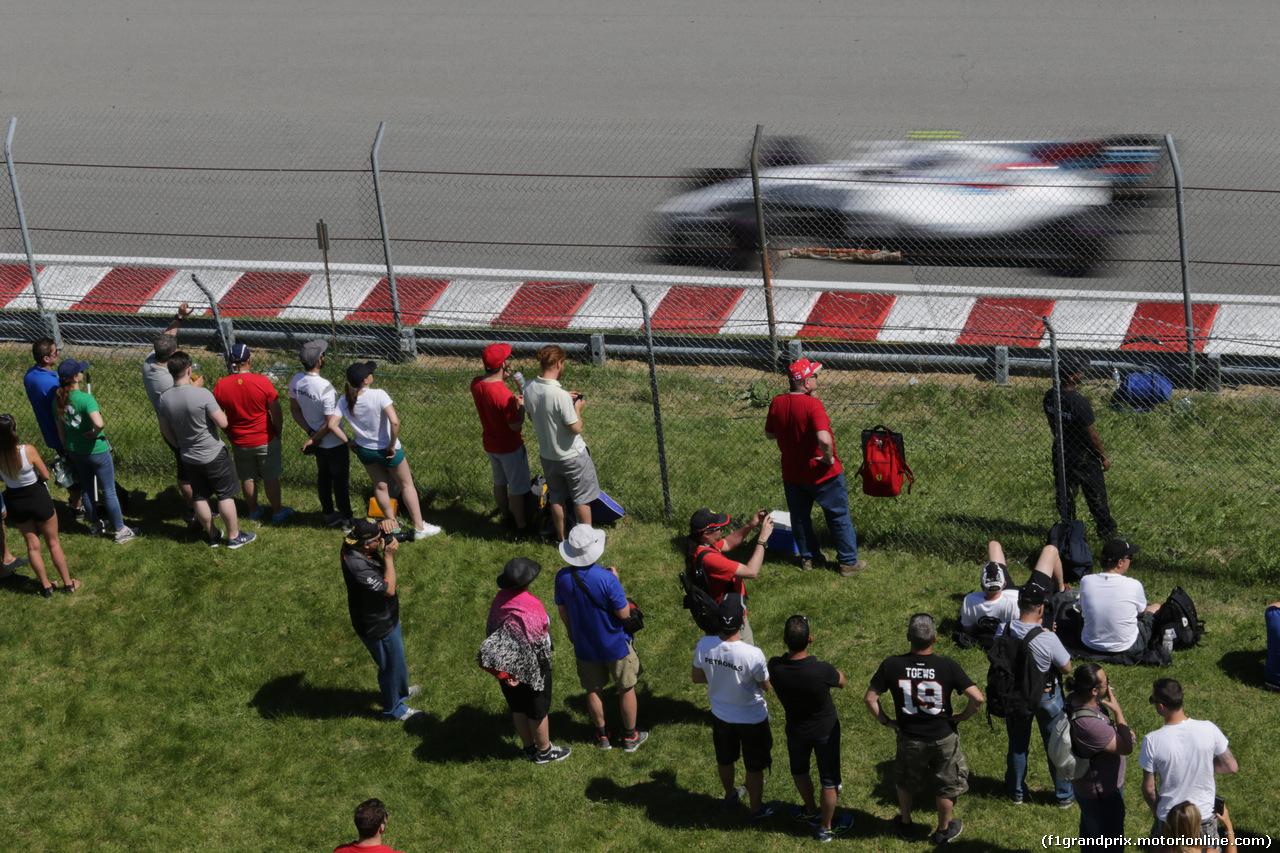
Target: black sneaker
(552, 753)
(951, 833)
(766, 812)
(732, 799)
(530, 753)
(904, 829)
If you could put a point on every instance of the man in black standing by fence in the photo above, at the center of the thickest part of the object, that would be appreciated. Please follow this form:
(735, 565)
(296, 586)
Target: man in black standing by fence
(1078, 452)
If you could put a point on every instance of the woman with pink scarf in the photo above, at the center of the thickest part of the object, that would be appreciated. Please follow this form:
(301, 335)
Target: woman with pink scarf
(517, 650)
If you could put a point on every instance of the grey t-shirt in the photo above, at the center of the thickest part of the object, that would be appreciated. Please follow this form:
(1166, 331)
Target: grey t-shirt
(156, 379)
(188, 409)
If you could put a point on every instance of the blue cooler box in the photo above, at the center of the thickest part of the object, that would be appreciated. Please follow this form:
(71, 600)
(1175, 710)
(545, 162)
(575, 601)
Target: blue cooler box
(605, 509)
(782, 539)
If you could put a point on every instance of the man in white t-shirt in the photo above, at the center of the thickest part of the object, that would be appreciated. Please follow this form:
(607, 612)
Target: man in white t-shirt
(313, 403)
(998, 598)
(557, 419)
(1185, 754)
(1117, 617)
(737, 678)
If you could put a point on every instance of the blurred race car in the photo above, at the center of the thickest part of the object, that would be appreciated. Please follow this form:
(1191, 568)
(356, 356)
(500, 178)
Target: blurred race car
(940, 203)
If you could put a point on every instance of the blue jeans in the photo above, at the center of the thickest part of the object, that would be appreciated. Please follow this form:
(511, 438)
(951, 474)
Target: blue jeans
(333, 479)
(833, 497)
(1103, 817)
(99, 465)
(1015, 776)
(1273, 646)
(393, 673)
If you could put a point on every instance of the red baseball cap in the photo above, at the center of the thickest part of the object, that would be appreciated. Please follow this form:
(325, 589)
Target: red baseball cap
(804, 368)
(495, 355)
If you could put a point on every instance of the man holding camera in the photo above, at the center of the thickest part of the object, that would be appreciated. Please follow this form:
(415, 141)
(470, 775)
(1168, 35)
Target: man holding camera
(369, 569)
(557, 419)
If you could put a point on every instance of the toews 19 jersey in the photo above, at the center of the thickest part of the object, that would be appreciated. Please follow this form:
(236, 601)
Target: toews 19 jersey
(921, 686)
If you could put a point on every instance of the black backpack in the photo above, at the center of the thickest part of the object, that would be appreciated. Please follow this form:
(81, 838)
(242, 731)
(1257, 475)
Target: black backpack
(1179, 613)
(697, 597)
(1068, 537)
(1015, 683)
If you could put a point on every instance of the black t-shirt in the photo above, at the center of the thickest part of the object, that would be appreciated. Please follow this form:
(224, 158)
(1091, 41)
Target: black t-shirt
(374, 614)
(921, 686)
(1077, 417)
(804, 688)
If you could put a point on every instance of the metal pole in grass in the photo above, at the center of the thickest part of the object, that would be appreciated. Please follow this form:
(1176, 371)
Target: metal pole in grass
(1061, 460)
(51, 320)
(657, 407)
(382, 223)
(217, 320)
(322, 237)
(763, 246)
(1182, 253)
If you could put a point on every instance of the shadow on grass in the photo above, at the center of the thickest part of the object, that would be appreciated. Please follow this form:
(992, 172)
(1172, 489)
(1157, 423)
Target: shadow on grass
(474, 734)
(666, 803)
(651, 710)
(886, 792)
(22, 585)
(1247, 667)
(288, 696)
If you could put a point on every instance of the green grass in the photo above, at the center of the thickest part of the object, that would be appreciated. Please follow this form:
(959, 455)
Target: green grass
(189, 699)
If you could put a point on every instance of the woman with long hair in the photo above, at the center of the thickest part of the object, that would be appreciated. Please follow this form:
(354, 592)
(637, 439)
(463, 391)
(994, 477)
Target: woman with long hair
(80, 427)
(29, 505)
(375, 440)
(1182, 825)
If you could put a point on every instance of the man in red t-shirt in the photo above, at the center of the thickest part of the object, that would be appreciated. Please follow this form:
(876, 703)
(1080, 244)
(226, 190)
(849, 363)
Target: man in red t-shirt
(811, 470)
(725, 576)
(371, 822)
(501, 419)
(254, 422)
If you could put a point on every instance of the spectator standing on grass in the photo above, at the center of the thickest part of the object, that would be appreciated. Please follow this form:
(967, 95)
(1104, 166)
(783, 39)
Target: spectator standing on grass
(369, 570)
(737, 677)
(371, 822)
(557, 420)
(811, 470)
(803, 684)
(30, 507)
(517, 650)
(1099, 733)
(80, 427)
(11, 563)
(1271, 680)
(189, 420)
(1116, 615)
(501, 418)
(375, 440)
(707, 544)
(1079, 451)
(254, 424)
(593, 607)
(156, 380)
(928, 756)
(41, 384)
(1185, 830)
(1053, 661)
(1183, 755)
(313, 403)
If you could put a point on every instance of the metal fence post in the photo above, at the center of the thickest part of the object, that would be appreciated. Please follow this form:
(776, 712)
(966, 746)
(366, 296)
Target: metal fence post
(657, 407)
(1182, 252)
(50, 320)
(764, 246)
(1060, 462)
(226, 332)
(382, 223)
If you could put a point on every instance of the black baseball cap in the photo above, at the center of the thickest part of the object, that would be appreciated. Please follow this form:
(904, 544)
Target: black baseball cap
(732, 611)
(1117, 549)
(992, 576)
(1072, 363)
(358, 372)
(705, 519)
(363, 531)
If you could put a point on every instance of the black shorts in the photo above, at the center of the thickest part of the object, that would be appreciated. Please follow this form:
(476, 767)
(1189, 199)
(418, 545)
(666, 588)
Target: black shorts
(523, 699)
(28, 503)
(183, 474)
(1038, 580)
(214, 478)
(753, 741)
(825, 749)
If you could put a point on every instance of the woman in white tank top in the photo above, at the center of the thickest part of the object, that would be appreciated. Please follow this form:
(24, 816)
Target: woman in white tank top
(29, 506)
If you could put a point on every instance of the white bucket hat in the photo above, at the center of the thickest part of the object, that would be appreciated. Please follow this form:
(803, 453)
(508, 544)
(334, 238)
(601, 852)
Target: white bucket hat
(583, 546)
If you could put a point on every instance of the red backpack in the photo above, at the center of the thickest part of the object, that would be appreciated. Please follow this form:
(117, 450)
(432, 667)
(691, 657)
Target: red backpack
(884, 462)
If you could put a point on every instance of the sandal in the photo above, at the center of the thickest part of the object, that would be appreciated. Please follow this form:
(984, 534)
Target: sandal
(75, 585)
(47, 592)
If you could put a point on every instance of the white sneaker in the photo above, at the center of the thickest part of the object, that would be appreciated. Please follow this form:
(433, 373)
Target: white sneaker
(414, 690)
(409, 714)
(426, 530)
(125, 534)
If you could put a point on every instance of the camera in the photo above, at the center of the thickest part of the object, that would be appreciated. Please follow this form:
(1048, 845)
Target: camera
(401, 535)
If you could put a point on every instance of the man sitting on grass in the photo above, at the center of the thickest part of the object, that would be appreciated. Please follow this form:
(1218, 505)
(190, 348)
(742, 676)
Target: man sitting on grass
(1117, 618)
(998, 599)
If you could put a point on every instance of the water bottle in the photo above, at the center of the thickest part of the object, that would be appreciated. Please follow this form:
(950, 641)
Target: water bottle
(1168, 639)
(519, 378)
